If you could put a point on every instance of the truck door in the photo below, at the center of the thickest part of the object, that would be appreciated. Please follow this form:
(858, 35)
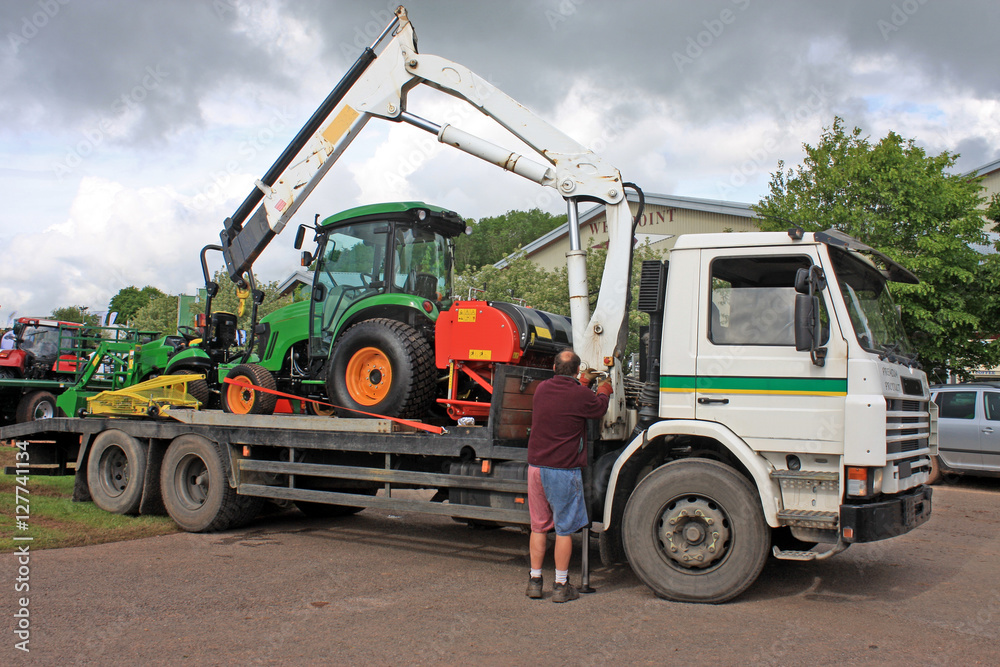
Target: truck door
(749, 375)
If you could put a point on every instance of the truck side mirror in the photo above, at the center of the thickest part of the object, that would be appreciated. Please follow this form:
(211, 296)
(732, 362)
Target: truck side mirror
(808, 328)
(300, 236)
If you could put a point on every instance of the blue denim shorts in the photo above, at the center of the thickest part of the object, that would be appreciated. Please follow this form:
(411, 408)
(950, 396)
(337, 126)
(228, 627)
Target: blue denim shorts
(558, 501)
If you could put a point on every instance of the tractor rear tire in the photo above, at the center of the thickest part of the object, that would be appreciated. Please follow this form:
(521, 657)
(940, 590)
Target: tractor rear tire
(384, 367)
(198, 389)
(36, 405)
(243, 401)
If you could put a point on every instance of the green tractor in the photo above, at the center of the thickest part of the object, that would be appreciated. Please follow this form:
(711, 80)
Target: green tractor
(364, 340)
(214, 342)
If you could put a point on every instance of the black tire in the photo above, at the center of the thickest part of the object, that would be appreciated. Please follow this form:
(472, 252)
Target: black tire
(116, 470)
(36, 405)
(241, 401)
(718, 554)
(935, 474)
(194, 482)
(398, 381)
(198, 389)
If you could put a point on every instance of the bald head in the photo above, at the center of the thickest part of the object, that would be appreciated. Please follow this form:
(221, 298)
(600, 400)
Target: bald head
(567, 363)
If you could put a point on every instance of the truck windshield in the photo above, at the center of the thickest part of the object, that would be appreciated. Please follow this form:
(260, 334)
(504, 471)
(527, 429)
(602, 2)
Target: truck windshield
(874, 316)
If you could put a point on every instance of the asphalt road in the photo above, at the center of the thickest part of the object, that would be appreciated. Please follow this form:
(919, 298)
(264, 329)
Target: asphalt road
(379, 589)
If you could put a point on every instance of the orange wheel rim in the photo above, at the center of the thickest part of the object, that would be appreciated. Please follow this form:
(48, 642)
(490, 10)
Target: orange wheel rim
(369, 376)
(240, 399)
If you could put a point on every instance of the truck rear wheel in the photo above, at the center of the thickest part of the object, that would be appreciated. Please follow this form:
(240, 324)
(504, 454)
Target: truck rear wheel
(116, 470)
(194, 482)
(694, 532)
(244, 401)
(36, 405)
(382, 366)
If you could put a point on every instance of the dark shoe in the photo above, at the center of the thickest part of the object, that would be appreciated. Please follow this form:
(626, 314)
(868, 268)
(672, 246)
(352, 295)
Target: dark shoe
(534, 588)
(564, 592)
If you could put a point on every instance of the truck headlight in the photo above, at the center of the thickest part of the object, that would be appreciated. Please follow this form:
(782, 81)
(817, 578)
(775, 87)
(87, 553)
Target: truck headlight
(863, 482)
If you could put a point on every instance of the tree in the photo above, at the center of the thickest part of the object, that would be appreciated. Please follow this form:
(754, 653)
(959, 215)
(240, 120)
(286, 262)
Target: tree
(494, 238)
(521, 281)
(130, 299)
(76, 314)
(160, 314)
(228, 299)
(897, 199)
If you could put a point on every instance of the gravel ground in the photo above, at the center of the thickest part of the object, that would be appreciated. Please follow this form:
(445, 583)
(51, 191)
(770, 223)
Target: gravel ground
(381, 588)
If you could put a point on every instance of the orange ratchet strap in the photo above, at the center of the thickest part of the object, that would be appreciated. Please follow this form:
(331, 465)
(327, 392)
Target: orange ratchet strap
(406, 422)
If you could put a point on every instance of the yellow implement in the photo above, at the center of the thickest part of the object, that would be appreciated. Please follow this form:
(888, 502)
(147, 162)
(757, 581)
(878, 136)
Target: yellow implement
(151, 398)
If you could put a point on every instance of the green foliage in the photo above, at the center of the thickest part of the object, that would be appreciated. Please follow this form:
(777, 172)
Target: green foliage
(494, 238)
(76, 314)
(897, 199)
(228, 299)
(523, 282)
(130, 299)
(160, 314)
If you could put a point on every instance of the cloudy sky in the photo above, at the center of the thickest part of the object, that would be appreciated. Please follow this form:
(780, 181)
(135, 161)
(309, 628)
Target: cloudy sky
(130, 129)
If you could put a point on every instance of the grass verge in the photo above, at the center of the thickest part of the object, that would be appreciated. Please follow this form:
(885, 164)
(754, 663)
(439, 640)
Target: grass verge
(54, 521)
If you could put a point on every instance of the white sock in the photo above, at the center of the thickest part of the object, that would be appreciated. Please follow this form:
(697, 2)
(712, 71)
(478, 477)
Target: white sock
(562, 576)
(535, 573)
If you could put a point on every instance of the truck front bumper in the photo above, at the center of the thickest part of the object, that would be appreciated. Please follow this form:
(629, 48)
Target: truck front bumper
(881, 520)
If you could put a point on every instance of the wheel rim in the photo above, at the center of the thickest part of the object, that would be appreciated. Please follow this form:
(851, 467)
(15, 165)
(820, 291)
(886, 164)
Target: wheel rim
(369, 376)
(44, 410)
(240, 399)
(113, 471)
(693, 533)
(191, 481)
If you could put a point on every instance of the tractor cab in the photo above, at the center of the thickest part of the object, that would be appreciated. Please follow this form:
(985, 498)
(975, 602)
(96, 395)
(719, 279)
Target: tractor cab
(392, 257)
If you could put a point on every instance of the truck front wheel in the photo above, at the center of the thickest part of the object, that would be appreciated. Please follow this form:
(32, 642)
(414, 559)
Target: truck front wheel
(694, 532)
(384, 367)
(195, 485)
(116, 470)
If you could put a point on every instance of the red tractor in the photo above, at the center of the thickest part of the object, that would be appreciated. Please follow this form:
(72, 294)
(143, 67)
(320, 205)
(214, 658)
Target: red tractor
(42, 355)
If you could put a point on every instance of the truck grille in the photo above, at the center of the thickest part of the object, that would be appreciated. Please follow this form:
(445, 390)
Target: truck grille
(907, 426)
(907, 440)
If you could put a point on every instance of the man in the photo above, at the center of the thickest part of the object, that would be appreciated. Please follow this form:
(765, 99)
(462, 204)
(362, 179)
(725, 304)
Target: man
(557, 450)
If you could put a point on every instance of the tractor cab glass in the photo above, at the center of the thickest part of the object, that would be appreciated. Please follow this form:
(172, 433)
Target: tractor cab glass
(367, 259)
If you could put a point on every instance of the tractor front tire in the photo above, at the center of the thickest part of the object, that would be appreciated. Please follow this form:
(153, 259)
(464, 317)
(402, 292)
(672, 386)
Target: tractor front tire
(384, 367)
(243, 400)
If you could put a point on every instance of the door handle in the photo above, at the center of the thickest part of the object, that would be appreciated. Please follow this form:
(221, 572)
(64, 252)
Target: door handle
(708, 401)
(988, 429)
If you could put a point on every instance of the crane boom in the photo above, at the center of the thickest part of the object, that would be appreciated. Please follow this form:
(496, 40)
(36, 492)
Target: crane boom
(377, 86)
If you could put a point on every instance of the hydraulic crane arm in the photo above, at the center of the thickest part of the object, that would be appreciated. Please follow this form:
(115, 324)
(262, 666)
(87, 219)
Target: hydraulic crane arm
(377, 86)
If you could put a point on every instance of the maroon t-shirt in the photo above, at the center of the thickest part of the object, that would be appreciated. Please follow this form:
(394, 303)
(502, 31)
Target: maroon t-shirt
(560, 410)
